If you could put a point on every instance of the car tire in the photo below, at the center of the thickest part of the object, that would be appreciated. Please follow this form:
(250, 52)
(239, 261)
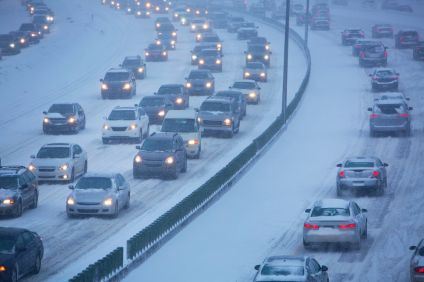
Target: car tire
(380, 189)
(83, 124)
(230, 134)
(364, 234)
(105, 141)
(127, 205)
(72, 176)
(37, 265)
(174, 174)
(116, 211)
(197, 156)
(140, 138)
(70, 216)
(46, 132)
(19, 209)
(146, 134)
(34, 203)
(85, 167)
(184, 168)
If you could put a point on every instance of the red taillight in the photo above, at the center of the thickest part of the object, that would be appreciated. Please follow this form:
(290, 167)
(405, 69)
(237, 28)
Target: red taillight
(405, 115)
(385, 54)
(342, 173)
(347, 226)
(311, 226)
(362, 55)
(375, 173)
(373, 116)
(419, 269)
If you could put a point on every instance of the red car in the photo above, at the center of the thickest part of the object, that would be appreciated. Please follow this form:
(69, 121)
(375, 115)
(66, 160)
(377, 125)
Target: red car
(382, 30)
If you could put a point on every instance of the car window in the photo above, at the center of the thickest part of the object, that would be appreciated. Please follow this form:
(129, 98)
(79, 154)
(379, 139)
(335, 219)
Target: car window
(314, 267)
(154, 144)
(20, 243)
(94, 182)
(390, 109)
(215, 107)
(354, 164)
(77, 149)
(283, 270)
(8, 182)
(319, 211)
(28, 238)
(152, 101)
(118, 180)
(63, 109)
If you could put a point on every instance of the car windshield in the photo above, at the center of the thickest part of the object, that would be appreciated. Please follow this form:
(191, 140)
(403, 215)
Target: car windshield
(94, 183)
(283, 270)
(210, 39)
(131, 62)
(257, 48)
(117, 76)
(165, 90)
(156, 144)
(254, 66)
(209, 53)
(7, 244)
(244, 85)
(54, 153)
(26, 27)
(384, 73)
(154, 101)
(319, 211)
(198, 75)
(178, 125)
(39, 19)
(122, 115)
(155, 47)
(63, 109)
(8, 182)
(390, 109)
(353, 164)
(215, 107)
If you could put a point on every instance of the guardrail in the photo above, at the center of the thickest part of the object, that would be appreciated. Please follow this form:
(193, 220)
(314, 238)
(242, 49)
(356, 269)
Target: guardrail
(142, 244)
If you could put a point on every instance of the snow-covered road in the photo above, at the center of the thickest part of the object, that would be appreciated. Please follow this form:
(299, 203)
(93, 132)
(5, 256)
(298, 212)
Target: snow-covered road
(86, 40)
(263, 213)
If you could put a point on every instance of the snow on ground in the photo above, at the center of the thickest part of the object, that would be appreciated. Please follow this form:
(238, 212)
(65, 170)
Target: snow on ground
(85, 41)
(263, 213)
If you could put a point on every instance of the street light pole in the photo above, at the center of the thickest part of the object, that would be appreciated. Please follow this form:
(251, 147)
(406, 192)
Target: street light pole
(307, 22)
(286, 63)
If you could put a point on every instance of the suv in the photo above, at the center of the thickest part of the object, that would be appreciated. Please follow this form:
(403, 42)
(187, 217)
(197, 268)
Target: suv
(161, 154)
(185, 124)
(200, 82)
(126, 123)
(258, 53)
(156, 107)
(136, 65)
(418, 53)
(259, 40)
(239, 101)
(349, 36)
(67, 117)
(210, 59)
(382, 30)
(175, 93)
(406, 39)
(256, 71)
(23, 37)
(384, 79)
(35, 33)
(246, 33)
(219, 115)
(250, 89)
(18, 190)
(361, 44)
(118, 83)
(59, 162)
(156, 52)
(390, 115)
(373, 56)
(9, 45)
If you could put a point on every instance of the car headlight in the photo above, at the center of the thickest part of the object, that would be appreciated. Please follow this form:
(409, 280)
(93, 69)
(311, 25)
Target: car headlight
(148, 5)
(266, 57)
(193, 57)
(106, 126)
(198, 36)
(33, 34)
(208, 84)
(193, 142)
(183, 20)
(246, 73)
(63, 167)
(199, 120)
(132, 126)
(164, 53)
(148, 13)
(188, 85)
(108, 202)
(22, 40)
(267, 47)
(169, 160)
(161, 113)
(140, 70)
(193, 27)
(32, 167)
(179, 101)
(45, 27)
(158, 25)
(158, 42)
(138, 159)
(126, 86)
(129, 9)
(46, 120)
(70, 201)
(228, 122)
(249, 56)
(219, 46)
(146, 54)
(218, 62)
(201, 62)
(252, 95)
(205, 26)
(263, 74)
(12, 45)
(8, 201)
(173, 42)
(104, 86)
(138, 13)
(157, 8)
(175, 15)
(72, 120)
(174, 34)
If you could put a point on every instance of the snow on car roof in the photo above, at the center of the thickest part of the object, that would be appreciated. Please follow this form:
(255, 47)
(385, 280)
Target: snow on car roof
(393, 101)
(285, 260)
(362, 159)
(187, 114)
(332, 203)
(117, 70)
(100, 174)
(58, 145)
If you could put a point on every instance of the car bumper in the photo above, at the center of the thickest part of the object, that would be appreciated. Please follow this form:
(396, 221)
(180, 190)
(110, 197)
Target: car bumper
(192, 150)
(10, 51)
(7, 210)
(417, 277)
(116, 93)
(53, 176)
(385, 85)
(221, 128)
(389, 128)
(81, 209)
(358, 183)
(153, 168)
(59, 127)
(330, 235)
(110, 134)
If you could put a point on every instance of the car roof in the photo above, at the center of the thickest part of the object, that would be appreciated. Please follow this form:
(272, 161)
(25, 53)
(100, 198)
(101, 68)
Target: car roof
(221, 99)
(120, 108)
(246, 80)
(11, 170)
(117, 70)
(389, 101)
(172, 85)
(11, 231)
(163, 135)
(100, 174)
(57, 145)
(362, 159)
(286, 260)
(136, 57)
(187, 114)
(332, 203)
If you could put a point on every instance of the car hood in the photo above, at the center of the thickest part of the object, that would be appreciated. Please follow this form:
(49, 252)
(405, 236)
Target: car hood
(155, 156)
(51, 162)
(214, 115)
(188, 135)
(91, 195)
(153, 109)
(7, 193)
(6, 259)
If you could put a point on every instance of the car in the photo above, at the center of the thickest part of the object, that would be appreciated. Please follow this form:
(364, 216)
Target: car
(64, 117)
(156, 107)
(186, 125)
(9, 45)
(41, 23)
(200, 82)
(349, 36)
(219, 115)
(250, 90)
(384, 79)
(418, 51)
(291, 268)
(240, 103)
(195, 53)
(416, 268)
(361, 44)
(392, 96)
(219, 19)
(18, 190)
(21, 253)
(167, 30)
(135, 64)
(118, 83)
(161, 7)
(302, 19)
(361, 174)
(199, 11)
(167, 41)
(373, 56)
(22, 37)
(161, 20)
(210, 59)
(162, 154)
(322, 23)
(125, 124)
(59, 162)
(211, 38)
(260, 40)
(297, 9)
(156, 52)
(382, 30)
(393, 5)
(406, 39)
(177, 13)
(176, 93)
(278, 14)
(35, 33)
(246, 33)
(332, 221)
(256, 71)
(258, 53)
(200, 24)
(390, 115)
(47, 13)
(142, 13)
(234, 23)
(184, 19)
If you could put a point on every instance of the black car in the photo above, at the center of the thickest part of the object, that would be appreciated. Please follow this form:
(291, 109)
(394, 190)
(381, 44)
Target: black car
(68, 117)
(175, 93)
(382, 30)
(240, 103)
(21, 252)
(406, 38)
(258, 53)
(260, 40)
(362, 44)
(384, 79)
(418, 52)
(247, 33)
(34, 32)
(210, 59)
(200, 82)
(41, 23)
(118, 83)
(212, 38)
(9, 45)
(136, 65)
(167, 29)
(156, 107)
(22, 37)
(155, 52)
(373, 56)
(162, 154)
(18, 190)
(161, 20)
(349, 36)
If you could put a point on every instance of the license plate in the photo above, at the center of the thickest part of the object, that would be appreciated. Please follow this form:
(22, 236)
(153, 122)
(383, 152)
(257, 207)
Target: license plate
(358, 183)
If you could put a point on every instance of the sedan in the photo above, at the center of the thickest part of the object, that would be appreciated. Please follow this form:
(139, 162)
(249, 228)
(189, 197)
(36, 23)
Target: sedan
(417, 263)
(335, 221)
(390, 115)
(384, 79)
(256, 71)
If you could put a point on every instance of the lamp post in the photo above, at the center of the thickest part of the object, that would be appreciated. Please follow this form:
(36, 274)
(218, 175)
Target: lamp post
(286, 63)
(306, 22)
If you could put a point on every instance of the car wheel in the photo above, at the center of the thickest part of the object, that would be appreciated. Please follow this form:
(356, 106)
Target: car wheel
(19, 209)
(104, 97)
(105, 140)
(197, 156)
(116, 211)
(72, 176)
(34, 203)
(37, 265)
(230, 134)
(127, 205)
(140, 138)
(174, 174)
(184, 169)
(85, 167)
(380, 189)
(365, 232)
(45, 131)
(70, 215)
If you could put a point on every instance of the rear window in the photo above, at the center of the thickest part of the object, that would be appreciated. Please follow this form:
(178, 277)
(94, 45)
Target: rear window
(410, 33)
(351, 164)
(7, 244)
(178, 125)
(117, 76)
(390, 109)
(375, 49)
(319, 211)
(122, 115)
(283, 270)
(198, 75)
(244, 85)
(384, 73)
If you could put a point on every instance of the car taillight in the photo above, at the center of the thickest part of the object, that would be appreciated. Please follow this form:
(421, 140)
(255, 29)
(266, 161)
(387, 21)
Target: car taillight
(342, 173)
(347, 226)
(405, 115)
(374, 78)
(375, 173)
(385, 54)
(373, 116)
(419, 269)
(362, 55)
(311, 226)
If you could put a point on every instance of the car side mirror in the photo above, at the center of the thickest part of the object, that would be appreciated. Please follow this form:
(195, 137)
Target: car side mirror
(339, 165)
(138, 147)
(45, 112)
(101, 79)
(324, 268)
(72, 187)
(412, 248)
(410, 108)
(307, 210)
(369, 109)
(32, 156)
(407, 98)
(257, 267)
(364, 210)
(76, 156)
(386, 165)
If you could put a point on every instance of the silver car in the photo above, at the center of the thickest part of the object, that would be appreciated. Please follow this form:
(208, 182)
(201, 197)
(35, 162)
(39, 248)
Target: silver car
(250, 89)
(361, 174)
(59, 162)
(256, 71)
(335, 221)
(417, 263)
(390, 115)
(291, 268)
(392, 96)
(99, 194)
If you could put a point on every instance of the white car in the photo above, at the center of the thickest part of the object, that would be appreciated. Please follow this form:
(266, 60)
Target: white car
(59, 162)
(250, 89)
(125, 123)
(185, 124)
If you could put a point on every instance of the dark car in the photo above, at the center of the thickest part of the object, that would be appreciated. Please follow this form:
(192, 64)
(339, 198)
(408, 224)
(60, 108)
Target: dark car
(9, 45)
(195, 53)
(162, 154)
(34, 32)
(18, 190)
(68, 117)
(22, 37)
(373, 56)
(21, 252)
(219, 20)
(210, 59)
(246, 33)
(260, 40)
(258, 53)
(161, 20)
(349, 36)
(136, 65)
(384, 79)
(382, 30)
(418, 52)
(302, 19)
(212, 38)
(155, 52)
(200, 82)
(406, 38)
(167, 40)
(361, 44)
(167, 29)
(41, 23)
(118, 83)
(175, 93)
(156, 107)
(239, 99)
